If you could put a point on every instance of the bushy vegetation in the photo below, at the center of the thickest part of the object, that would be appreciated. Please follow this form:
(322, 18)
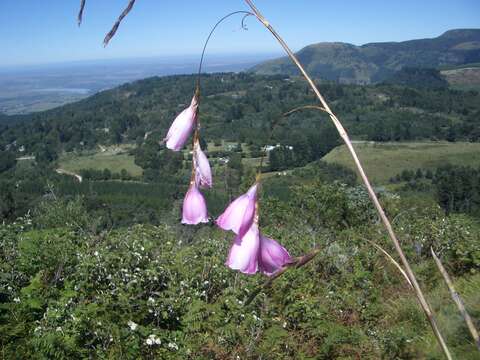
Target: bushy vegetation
(69, 289)
(456, 188)
(418, 77)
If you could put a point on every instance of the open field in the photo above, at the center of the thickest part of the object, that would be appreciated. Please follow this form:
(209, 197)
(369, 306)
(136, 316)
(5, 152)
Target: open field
(463, 79)
(114, 161)
(116, 158)
(385, 160)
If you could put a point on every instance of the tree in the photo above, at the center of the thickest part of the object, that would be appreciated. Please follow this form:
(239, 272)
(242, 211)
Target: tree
(7, 160)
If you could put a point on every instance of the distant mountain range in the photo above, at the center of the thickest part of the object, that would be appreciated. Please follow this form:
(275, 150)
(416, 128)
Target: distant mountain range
(376, 62)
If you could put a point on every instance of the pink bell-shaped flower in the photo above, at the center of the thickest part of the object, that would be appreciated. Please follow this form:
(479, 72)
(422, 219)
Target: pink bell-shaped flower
(182, 127)
(239, 215)
(244, 253)
(254, 252)
(273, 256)
(194, 207)
(203, 172)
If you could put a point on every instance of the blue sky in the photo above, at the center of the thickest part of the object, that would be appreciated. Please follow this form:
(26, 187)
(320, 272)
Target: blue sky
(45, 31)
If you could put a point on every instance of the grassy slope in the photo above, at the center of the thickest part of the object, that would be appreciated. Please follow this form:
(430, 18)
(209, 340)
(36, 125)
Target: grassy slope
(115, 161)
(466, 78)
(384, 160)
(381, 160)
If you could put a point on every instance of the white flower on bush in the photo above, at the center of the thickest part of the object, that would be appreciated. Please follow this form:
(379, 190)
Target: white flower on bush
(133, 326)
(172, 346)
(153, 340)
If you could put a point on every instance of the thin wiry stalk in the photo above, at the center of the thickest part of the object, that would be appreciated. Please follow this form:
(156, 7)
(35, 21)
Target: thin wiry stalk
(246, 14)
(393, 261)
(272, 129)
(80, 12)
(115, 26)
(274, 126)
(196, 135)
(343, 134)
(200, 65)
(306, 107)
(457, 299)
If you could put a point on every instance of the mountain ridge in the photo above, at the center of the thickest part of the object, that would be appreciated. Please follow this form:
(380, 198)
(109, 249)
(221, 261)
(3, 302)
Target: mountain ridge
(377, 61)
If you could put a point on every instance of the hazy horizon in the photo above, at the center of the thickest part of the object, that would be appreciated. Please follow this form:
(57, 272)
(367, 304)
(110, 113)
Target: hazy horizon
(168, 59)
(30, 88)
(49, 34)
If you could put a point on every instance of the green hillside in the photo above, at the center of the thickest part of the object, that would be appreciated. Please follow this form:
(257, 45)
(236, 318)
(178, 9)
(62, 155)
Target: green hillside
(112, 159)
(375, 62)
(236, 109)
(383, 161)
(463, 78)
(103, 268)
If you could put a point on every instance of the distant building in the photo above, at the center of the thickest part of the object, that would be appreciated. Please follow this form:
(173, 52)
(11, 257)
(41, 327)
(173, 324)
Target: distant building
(269, 148)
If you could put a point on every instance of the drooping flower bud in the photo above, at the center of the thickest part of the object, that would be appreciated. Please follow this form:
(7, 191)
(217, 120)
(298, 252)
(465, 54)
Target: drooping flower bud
(194, 207)
(203, 172)
(239, 215)
(273, 256)
(254, 252)
(182, 127)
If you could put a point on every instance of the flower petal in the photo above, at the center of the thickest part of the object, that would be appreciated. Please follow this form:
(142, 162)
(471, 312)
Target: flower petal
(239, 215)
(194, 207)
(273, 256)
(203, 172)
(243, 255)
(182, 127)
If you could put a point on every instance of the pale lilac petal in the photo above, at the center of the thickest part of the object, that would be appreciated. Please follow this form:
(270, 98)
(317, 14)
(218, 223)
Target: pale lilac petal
(203, 172)
(273, 256)
(182, 127)
(239, 215)
(243, 255)
(194, 207)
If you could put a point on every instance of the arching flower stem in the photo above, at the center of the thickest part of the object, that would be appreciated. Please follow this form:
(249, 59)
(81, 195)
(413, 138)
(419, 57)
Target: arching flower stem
(196, 135)
(245, 13)
(343, 134)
